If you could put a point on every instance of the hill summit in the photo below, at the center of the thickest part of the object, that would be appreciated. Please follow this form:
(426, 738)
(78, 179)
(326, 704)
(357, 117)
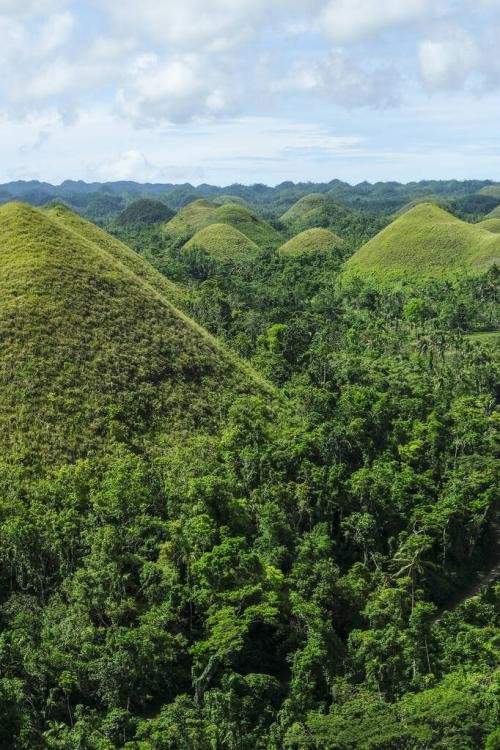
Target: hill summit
(426, 242)
(202, 213)
(311, 241)
(93, 350)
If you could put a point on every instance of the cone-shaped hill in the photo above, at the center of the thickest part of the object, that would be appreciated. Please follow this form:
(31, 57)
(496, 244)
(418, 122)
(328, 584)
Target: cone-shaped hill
(201, 213)
(435, 200)
(314, 210)
(223, 242)
(145, 211)
(311, 241)
(93, 351)
(426, 242)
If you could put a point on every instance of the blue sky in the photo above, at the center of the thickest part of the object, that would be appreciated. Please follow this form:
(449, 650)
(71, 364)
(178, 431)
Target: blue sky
(225, 91)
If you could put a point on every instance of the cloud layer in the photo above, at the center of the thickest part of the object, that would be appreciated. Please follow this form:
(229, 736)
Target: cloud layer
(209, 59)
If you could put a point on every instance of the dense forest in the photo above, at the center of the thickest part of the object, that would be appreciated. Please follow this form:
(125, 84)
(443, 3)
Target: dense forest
(280, 534)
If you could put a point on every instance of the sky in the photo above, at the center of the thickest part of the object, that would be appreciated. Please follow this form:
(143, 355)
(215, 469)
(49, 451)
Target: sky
(223, 91)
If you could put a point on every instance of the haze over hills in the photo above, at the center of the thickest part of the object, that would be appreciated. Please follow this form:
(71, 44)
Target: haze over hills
(93, 349)
(426, 242)
(311, 241)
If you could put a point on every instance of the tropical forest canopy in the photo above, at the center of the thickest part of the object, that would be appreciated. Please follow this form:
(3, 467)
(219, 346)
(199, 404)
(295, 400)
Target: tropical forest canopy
(249, 480)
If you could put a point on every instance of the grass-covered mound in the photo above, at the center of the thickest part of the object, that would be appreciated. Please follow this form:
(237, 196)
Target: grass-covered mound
(423, 243)
(491, 224)
(313, 210)
(493, 191)
(311, 241)
(93, 352)
(200, 214)
(145, 211)
(222, 242)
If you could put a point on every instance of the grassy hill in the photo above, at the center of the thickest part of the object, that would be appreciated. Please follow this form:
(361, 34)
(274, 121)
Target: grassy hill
(92, 349)
(313, 210)
(222, 200)
(436, 200)
(491, 224)
(426, 242)
(200, 214)
(223, 242)
(145, 211)
(311, 241)
(495, 214)
(493, 191)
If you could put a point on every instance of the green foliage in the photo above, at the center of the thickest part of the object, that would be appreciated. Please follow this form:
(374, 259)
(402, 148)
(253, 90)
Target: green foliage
(192, 559)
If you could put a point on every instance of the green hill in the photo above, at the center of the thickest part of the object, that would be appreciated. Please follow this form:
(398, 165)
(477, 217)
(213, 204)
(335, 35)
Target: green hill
(223, 242)
(93, 351)
(436, 200)
(222, 200)
(493, 191)
(491, 224)
(311, 241)
(495, 214)
(426, 242)
(202, 213)
(313, 210)
(145, 211)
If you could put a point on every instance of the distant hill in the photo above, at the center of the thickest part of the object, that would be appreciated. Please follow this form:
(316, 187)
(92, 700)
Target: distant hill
(436, 200)
(426, 242)
(93, 351)
(493, 191)
(201, 213)
(492, 224)
(494, 214)
(145, 211)
(223, 242)
(312, 211)
(311, 241)
(221, 200)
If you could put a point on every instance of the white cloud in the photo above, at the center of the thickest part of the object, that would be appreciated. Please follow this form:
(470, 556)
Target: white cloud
(174, 89)
(454, 59)
(351, 20)
(344, 80)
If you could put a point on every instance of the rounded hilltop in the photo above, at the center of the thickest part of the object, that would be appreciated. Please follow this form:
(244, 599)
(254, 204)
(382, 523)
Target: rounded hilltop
(223, 242)
(426, 242)
(315, 240)
(201, 213)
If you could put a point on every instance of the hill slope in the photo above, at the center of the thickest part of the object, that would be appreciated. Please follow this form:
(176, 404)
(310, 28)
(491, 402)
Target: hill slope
(88, 231)
(311, 241)
(202, 213)
(313, 210)
(491, 224)
(145, 211)
(93, 352)
(223, 242)
(426, 242)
